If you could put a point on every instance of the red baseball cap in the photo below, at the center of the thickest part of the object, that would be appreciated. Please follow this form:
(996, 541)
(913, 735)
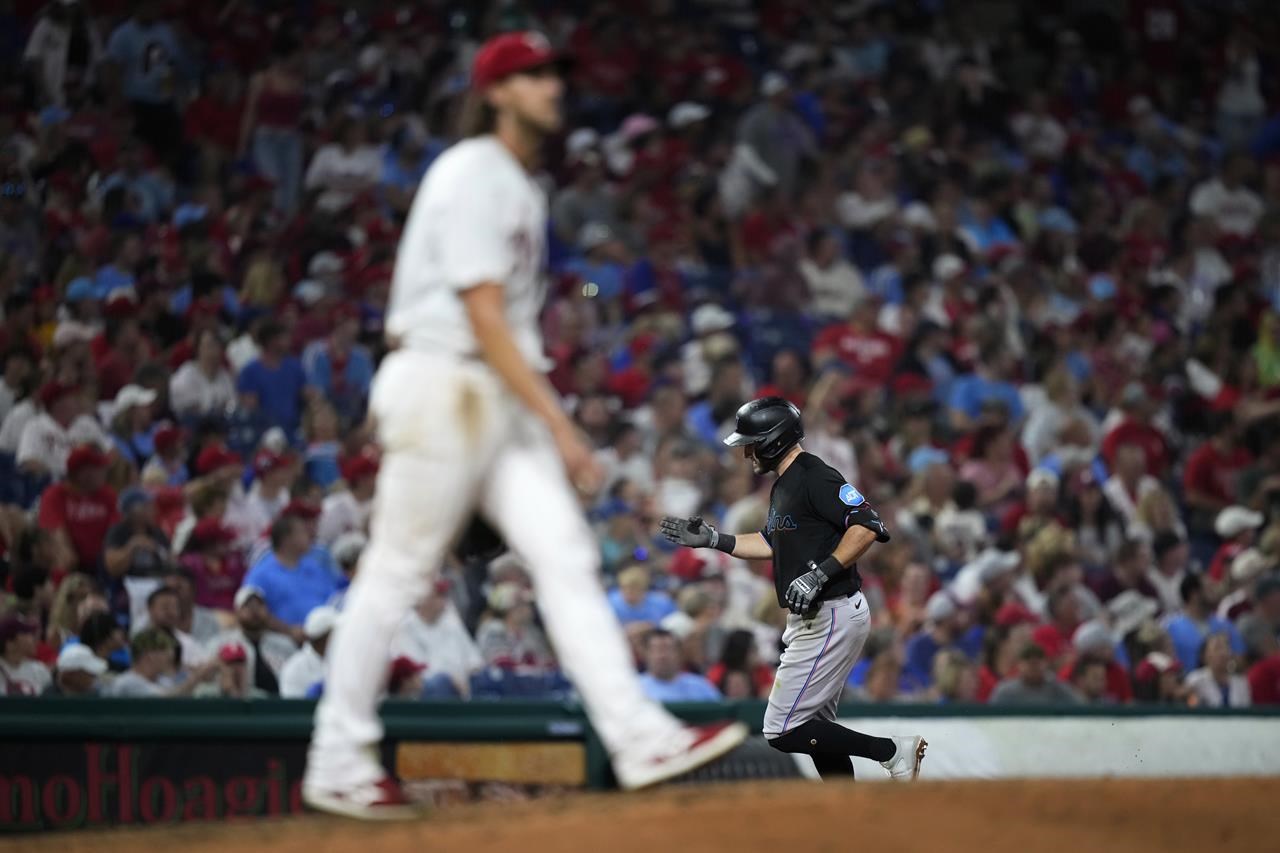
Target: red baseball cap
(266, 462)
(402, 669)
(215, 456)
(85, 456)
(211, 531)
(510, 53)
(167, 436)
(232, 653)
(301, 509)
(360, 466)
(52, 392)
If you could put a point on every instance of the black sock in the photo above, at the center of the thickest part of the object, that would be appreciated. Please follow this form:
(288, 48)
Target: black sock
(823, 737)
(834, 766)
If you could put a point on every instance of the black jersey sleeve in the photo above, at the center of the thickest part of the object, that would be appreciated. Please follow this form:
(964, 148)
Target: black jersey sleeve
(841, 504)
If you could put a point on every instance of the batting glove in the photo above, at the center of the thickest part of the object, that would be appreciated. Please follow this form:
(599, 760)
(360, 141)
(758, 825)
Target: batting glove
(803, 592)
(690, 532)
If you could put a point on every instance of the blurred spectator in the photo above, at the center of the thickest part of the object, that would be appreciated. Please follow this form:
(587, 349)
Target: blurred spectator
(346, 166)
(101, 633)
(1093, 641)
(942, 629)
(1089, 680)
(231, 679)
(194, 619)
(634, 601)
(151, 60)
(1237, 527)
(266, 651)
(292, 583)
(274, 382)
(63, 50)
(663, 679)
(64, 616)
(137, 551)
(203, 385)
(80, 510)
(1215, 684)
(835, 285)
(1195, 622)
(168, 467)
(740, 655)
(340, 368)
(1169, 570)
(20, 673)
(77, 673)
(49, 436)
(306, 667)
(1035, 684)
(405, 680)
(434, 634)
(955, 679)
(1227, 201)
(1260, 627)
(270, 127)
(775, 140)
(216, 566)
(1157, 679)
(1064, 617)
(164, 611)
(507, 637)
(1128, 571)
(154, 654)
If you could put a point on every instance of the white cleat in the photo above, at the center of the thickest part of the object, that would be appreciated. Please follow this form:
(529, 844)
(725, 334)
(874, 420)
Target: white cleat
(375, 801)
(707, 743)
(905, 764)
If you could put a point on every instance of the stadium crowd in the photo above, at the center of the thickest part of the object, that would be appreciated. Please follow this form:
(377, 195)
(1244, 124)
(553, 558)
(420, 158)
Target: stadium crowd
(1019, 264)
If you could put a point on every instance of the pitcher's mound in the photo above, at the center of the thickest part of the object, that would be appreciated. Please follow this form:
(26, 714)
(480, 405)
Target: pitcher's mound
(774, 817)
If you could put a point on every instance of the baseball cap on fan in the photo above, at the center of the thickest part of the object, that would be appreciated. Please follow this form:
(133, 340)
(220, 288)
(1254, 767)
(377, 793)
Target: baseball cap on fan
(510, 53)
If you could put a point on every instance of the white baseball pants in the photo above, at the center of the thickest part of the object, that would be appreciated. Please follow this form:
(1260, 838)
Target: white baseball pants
(455, 441)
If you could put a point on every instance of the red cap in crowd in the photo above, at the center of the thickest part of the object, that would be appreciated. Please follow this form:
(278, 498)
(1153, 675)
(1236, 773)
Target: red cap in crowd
(232, 653)
(1013, 613)
(402, 669)
(85, 456)
(211, 531)
(167, 436)
(507, 54)
(52, 392)
(268, 462)
(302, 509)
(358, 467)
(216, 456)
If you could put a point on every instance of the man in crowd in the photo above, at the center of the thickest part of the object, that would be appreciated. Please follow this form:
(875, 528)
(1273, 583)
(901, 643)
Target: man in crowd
(663, 678)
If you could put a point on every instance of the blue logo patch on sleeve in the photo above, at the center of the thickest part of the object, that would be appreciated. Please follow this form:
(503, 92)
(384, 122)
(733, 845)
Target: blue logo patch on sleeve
(851, 496)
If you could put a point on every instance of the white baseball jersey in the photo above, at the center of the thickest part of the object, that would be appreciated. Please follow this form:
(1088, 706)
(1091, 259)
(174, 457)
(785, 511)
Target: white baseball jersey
(478, 217)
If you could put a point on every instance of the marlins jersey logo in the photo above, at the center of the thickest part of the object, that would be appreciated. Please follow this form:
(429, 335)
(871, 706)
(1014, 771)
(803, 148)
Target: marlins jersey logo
(779, 522)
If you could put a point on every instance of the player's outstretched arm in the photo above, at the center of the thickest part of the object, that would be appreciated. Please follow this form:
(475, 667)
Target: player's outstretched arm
(696, 533)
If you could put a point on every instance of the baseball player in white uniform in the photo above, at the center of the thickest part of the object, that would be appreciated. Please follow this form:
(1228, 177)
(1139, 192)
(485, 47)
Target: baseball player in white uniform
(468, 423)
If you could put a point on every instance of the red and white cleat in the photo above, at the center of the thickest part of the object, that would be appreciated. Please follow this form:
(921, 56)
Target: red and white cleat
(708, 743)
(381, 800)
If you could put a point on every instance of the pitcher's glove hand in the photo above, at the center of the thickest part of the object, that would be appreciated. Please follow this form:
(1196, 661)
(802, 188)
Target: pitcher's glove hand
(690, 532)
(803, 592)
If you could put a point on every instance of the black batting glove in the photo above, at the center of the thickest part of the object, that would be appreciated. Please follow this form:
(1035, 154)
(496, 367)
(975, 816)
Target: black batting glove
(803, 592)
(690, 532)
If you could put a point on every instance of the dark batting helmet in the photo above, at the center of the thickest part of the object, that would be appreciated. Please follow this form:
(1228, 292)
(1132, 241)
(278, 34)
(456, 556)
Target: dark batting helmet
(772, 424)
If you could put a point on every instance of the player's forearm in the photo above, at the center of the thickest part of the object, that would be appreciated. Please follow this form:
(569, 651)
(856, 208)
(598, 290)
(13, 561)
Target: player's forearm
(751, 546)
(499, 350)
(853, 545)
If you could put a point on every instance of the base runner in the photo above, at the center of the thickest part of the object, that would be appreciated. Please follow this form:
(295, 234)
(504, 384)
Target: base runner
(818, 527)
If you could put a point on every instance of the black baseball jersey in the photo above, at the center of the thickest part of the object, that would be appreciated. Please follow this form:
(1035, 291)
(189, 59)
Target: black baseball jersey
(810, 507)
